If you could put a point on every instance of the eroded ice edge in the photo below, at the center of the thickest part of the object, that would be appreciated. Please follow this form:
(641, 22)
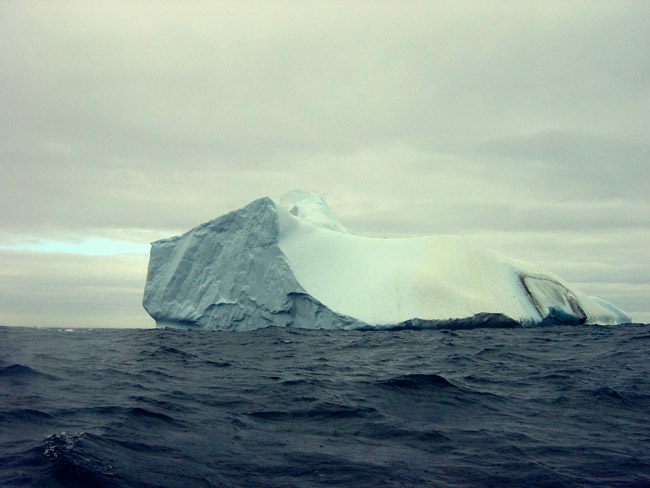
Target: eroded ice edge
(291, 263)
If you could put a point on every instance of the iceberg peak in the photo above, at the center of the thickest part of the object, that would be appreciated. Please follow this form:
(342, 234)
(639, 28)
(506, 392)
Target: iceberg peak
(312, 208)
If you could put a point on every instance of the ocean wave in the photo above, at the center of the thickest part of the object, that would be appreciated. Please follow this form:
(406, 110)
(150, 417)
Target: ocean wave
(22, 372)
(416, 381)
(553, 406)
(320, 411)
(74, 463)
(24, 415)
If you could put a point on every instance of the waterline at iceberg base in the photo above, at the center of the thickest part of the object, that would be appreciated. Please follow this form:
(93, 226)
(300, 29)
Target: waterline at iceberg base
(291, 263)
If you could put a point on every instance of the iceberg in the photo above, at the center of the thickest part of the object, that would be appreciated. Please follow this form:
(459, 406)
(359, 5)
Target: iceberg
(291, 263)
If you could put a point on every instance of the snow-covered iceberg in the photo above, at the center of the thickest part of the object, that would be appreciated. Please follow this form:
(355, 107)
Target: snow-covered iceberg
(291, 263)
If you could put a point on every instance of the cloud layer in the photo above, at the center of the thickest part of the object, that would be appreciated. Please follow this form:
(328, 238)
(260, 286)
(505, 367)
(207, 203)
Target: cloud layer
(522, 125)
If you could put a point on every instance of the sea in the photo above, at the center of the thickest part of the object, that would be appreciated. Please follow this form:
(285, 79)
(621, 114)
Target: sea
(551, 406)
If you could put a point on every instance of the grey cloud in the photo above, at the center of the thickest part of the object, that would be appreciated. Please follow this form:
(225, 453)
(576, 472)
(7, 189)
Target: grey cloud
(458, 217)
(593, 165)
(338, 81)
(63, 290)
(139, 120)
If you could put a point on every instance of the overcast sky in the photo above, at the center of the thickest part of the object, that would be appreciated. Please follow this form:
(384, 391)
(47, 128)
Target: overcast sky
(522, 125)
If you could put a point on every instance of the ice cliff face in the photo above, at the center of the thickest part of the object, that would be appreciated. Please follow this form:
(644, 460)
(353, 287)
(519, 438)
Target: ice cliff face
(293, 264)
(230, 274)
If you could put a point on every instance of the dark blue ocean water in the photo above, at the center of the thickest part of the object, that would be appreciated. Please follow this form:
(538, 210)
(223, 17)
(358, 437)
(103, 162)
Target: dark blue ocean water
(548, 406)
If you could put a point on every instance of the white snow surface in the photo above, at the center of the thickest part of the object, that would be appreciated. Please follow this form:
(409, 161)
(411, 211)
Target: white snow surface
(290, 262)
(388, 281)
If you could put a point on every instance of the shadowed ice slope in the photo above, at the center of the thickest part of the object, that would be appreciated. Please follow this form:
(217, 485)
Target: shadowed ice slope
(293, 264)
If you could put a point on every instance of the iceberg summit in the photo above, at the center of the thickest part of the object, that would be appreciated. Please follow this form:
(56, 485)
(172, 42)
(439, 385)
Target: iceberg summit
(291, 263)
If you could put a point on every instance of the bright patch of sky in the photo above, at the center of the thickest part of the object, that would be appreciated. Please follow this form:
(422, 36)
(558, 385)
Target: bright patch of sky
(96, 246)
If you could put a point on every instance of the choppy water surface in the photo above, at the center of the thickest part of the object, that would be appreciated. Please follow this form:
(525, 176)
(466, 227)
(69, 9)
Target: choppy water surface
(550, 406)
